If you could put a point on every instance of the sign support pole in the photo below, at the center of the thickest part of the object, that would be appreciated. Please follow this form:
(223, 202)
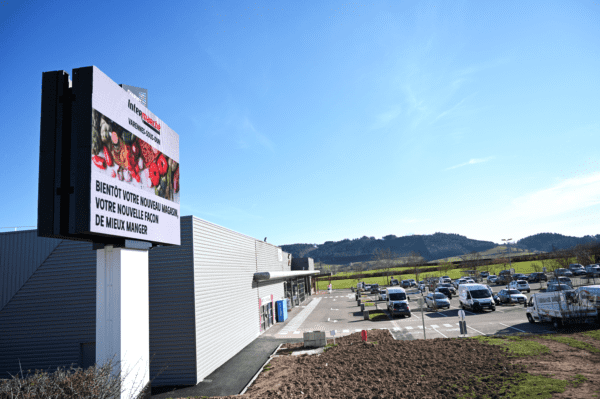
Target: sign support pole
(122, 316)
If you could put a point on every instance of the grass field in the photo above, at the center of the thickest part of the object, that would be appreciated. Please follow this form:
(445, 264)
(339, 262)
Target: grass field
(520, 267)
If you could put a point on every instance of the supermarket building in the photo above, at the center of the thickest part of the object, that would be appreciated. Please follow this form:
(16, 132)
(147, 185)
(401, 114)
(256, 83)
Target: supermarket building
(208, 299)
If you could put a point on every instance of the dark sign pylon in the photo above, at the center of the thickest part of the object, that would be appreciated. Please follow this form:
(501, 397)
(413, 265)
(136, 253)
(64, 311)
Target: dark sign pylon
(93, 150)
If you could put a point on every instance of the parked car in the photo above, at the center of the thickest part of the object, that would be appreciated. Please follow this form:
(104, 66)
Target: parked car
(413, 282)
(561, 280)
(405, 284)
(520, 285)
(537, 277)
(577, 269)
(393, 282)
(397, 302)
(492, 278)
(437, 300)
(445, 290)
(449, 286)
(511, 296)
(592, 270)
(374, 289)
(504, 277)
(421, 286)
(458, 282)
(553, 286)
(519, 276)
(382, 294)
(484, 274)
(496, 298)
(563, 272)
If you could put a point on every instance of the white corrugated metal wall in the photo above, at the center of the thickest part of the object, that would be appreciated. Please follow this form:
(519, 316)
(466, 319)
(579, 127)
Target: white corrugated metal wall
(225, 296)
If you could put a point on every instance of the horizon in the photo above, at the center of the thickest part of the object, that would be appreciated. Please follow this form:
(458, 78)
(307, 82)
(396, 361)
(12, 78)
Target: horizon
(309, 123)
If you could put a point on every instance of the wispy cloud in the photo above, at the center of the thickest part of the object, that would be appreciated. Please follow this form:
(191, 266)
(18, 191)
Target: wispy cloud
(570, 195)
(471, 162)
(250, 135)
(384, 118)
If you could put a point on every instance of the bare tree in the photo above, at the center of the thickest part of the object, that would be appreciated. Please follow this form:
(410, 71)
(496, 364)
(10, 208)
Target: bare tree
(385, 259)
(584, 254)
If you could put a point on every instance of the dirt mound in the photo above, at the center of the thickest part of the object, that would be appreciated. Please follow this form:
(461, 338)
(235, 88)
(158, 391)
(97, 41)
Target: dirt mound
(385, 368)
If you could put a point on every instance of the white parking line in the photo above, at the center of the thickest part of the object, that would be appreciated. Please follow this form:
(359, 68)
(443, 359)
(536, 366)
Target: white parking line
(296, 332)
(476, 330)
(410, 328)
(448, 325)
(346, 331)
(434, 326)
(512, 327)
(357, 330)
(438, 332)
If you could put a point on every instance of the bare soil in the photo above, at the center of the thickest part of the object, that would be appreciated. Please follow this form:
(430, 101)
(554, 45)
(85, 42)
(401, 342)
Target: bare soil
(437, 368)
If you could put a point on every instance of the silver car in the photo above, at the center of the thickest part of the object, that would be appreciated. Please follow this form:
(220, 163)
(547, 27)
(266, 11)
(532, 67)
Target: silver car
(437, 300)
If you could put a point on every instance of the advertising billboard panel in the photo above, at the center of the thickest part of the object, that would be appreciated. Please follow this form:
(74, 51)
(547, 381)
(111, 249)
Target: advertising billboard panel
(120, 166)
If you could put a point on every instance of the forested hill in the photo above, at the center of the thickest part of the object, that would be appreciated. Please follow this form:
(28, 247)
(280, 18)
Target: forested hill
(548, 242)
(435, 246)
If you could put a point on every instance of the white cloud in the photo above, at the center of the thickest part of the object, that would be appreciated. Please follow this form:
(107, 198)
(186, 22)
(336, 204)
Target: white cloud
(471, 162)
(567, 196)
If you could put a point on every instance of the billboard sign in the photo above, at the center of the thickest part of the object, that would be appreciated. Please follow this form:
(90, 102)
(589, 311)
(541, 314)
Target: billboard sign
(121, 163)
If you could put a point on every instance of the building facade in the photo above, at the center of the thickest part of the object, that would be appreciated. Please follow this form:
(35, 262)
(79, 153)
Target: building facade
(208, 299)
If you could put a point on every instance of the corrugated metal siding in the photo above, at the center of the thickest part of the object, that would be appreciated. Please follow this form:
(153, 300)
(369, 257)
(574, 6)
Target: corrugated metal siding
(267, 258)
(225, 324)
(171, 291)
(274, 288)
(21, 253)
(47, 319)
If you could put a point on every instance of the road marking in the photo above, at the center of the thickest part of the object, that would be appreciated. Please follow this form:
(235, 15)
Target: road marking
(410, 328)
(334, 309)
(358, 330)
(396, 329)
(420, 327)
(434, 326)
(283, 332)
(297, 321)
(346, 331)
(335, 321)
(296, 332)
(448, 325)
(512, 327)
(438, 331)
(476, 330)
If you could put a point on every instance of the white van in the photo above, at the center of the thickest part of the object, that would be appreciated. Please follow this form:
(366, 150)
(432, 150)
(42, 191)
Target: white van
(475, 297)
(397, 301)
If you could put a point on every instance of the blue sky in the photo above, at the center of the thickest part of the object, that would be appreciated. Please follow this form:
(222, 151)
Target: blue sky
(313, 121)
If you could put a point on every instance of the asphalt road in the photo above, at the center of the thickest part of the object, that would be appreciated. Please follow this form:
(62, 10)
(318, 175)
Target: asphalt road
(339, 312)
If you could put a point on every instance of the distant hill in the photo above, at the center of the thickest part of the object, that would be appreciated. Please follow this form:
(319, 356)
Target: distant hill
(430, 247)
(435, 246)
(547, 242)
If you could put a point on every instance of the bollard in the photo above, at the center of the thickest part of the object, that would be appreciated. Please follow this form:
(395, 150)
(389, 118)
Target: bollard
(366, 314)
(362, 307)
(358, 302)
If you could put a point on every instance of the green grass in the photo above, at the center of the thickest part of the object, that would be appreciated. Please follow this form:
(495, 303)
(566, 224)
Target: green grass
(575, 343)
(534, 386)
(520, 267)
(377, 315)
(593, 334)
(515, 345)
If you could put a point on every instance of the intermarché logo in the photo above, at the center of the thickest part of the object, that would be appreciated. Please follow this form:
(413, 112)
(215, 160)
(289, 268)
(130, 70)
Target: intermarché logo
(151, 123)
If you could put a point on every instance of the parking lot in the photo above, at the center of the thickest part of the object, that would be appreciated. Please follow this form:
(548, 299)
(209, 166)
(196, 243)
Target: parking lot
(340, 313)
